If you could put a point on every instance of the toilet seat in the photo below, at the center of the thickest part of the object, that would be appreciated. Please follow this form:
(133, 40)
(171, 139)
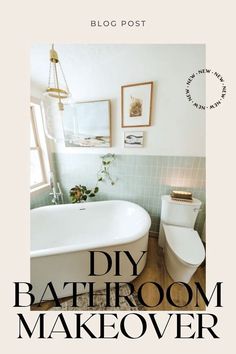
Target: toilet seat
(185, 243)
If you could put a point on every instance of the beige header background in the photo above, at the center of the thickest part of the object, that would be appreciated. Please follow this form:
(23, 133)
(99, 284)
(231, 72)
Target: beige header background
(25, 22)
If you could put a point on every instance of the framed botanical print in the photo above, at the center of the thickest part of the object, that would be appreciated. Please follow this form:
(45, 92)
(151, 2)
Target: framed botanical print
(136, 104)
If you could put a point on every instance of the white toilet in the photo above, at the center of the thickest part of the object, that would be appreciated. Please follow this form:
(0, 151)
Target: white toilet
(183, 248)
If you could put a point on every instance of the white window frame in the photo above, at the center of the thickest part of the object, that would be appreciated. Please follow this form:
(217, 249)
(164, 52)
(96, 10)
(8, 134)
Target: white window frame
(41, 147)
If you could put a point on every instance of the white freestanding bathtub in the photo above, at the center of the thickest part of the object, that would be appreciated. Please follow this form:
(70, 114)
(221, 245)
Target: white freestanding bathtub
(63, 237)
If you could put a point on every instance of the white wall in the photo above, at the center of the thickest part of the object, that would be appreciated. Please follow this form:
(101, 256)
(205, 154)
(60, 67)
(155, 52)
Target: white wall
(98, 72)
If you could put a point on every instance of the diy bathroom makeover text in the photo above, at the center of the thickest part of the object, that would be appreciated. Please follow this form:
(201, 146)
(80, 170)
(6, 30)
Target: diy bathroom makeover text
(112, 325)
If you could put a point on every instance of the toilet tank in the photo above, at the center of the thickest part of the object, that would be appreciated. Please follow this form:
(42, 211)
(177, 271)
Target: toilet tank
(179, 213)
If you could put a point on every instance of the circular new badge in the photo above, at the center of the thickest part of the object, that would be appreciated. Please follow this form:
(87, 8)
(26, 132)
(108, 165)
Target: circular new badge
(196, 89)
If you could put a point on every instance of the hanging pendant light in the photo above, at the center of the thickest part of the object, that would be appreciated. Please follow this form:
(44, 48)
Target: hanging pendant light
(56, 95)
(57, 85)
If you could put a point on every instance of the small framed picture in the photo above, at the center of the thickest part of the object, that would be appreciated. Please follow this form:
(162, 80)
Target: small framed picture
(136, 104)
(133, 139)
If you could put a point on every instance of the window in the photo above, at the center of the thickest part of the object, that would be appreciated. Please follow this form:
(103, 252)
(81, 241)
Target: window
(39, 164)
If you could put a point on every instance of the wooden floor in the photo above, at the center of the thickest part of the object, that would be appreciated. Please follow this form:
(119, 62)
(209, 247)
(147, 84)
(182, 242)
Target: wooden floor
(155, 271)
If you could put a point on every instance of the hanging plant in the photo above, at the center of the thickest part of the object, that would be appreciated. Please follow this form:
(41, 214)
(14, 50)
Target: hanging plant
(80, 193)
(104, 173)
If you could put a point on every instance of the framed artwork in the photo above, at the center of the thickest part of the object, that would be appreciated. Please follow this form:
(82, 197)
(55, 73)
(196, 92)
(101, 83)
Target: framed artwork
(133, 139)
(136, 104)
(87, 124)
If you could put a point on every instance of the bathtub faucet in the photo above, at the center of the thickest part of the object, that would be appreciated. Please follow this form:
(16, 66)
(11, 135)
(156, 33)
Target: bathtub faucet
(57, 195)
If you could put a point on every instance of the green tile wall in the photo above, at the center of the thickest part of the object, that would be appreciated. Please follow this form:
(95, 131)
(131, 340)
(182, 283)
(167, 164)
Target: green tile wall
(140, 179)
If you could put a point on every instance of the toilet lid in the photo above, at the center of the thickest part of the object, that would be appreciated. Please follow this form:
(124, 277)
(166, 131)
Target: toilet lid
(185, 243)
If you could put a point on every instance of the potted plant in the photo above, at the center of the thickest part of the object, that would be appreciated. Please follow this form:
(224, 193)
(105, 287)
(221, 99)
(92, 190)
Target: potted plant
(81, 193)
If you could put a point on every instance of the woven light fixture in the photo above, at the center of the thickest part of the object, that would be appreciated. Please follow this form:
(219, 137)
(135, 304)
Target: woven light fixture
(57, 85)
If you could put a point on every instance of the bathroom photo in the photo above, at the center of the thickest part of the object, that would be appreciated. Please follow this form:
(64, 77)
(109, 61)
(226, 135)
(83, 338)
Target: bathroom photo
(117, 177)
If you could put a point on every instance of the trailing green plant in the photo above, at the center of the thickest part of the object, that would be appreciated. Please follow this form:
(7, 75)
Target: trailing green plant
(80, 193)
(104, 173)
